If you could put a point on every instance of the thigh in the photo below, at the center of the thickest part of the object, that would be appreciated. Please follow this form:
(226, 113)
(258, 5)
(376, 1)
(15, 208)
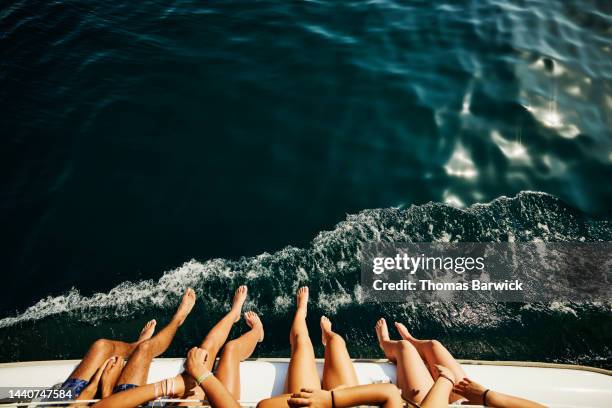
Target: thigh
(302, 371)
(228, 373)
(435, 353)
(98, 353)
(413, 378)
(136, 370)
(279, 401)
(338, 370)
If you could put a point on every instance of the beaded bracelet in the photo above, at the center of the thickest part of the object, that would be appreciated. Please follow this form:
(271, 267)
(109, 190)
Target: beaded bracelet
(203, 376)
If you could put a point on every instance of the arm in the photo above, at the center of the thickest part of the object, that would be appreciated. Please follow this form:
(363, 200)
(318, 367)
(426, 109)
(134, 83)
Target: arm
(384, 395)
(499, 400)
(474, 392)
(137, 396)
(217, 394)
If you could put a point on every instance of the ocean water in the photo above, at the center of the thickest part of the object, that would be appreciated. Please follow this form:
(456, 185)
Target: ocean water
(146, 146)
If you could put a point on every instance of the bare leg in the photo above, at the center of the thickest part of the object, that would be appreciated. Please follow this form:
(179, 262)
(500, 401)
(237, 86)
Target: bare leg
(103, 349)
(439, 394)
(214, 340)
(302, 371)
(217, 336)
(137, 368)
(433, 353)
(90, 391)
(413, 378)
(236, 351)
(110, 376)
(338, 370)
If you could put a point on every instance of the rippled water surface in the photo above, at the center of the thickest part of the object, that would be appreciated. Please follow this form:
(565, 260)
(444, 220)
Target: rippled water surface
(139, 135)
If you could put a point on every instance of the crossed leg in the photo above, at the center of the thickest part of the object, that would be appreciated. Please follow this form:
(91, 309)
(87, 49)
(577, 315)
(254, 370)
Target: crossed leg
(338, 370)
(413, 378)
(137, 369)
(237, 350)
(433, 353)
(214, 340)
(102, 349)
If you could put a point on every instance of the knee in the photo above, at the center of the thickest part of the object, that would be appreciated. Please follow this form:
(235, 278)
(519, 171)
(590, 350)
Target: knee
(404, 346)
(231, 348)
(267, 403)
(102, 346)
(144, 348)
(299, 338)
(337, 340)
(435, 344)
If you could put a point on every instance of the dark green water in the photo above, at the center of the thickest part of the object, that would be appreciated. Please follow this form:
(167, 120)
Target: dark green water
(139, 135)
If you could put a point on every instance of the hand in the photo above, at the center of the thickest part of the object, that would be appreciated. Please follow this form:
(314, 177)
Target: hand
(470, 390)
(311, 398)
(96, 378)
(194, 364)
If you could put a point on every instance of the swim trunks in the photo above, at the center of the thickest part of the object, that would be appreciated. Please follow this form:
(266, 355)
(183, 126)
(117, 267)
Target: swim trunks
(123, 387)
(73, 387)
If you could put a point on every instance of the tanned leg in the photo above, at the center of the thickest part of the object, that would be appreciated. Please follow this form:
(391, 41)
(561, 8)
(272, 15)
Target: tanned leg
(110, 376)
(137, 368)
(433, 353)
(302, 370)
(235, 351)
(103, 349)
(338, 370)
(217, 336)
(413, 378)
(214, 340)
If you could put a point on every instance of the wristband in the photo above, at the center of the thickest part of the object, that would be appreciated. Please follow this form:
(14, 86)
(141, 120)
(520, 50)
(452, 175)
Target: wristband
(484, 398)
(202, 377)
(443, 376)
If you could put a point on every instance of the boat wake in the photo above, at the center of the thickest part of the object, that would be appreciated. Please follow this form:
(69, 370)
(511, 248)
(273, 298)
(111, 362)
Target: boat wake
(330, 266)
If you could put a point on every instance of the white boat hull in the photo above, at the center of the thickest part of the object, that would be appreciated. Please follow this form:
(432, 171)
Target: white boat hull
(550, 384)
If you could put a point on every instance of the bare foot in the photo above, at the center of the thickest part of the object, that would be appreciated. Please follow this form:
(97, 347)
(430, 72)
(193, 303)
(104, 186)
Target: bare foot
(186, 305)
(147, 330)
(111, 375)
(302, 298)
(239, 298)
(382, 331)
(254, 323)
(470, 390)
(403, 331)
(384, 341)
(326, 330)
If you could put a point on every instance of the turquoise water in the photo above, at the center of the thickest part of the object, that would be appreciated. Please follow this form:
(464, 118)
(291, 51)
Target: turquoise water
(139, 135)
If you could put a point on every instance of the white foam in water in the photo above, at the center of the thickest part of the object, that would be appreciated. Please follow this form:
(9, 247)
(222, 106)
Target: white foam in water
(332, 260)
